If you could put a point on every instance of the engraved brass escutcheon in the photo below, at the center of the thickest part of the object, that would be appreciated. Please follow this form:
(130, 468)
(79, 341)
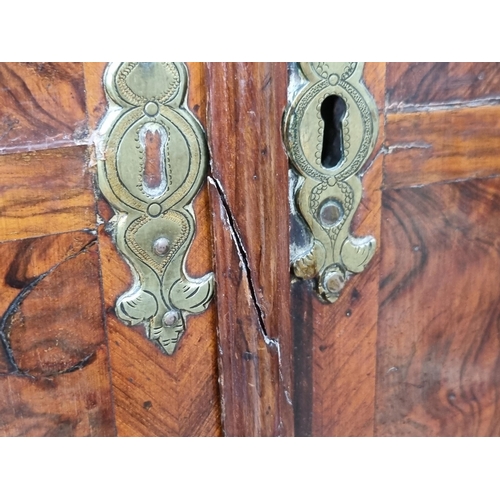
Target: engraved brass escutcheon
(152, 160)
(330, 129)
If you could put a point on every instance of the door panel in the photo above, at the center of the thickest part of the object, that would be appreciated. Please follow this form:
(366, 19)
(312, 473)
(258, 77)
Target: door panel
(78, 370)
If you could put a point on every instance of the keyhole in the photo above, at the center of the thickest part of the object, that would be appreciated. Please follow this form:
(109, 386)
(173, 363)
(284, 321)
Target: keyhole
(152, 167)
(153, 139)
(333, 110)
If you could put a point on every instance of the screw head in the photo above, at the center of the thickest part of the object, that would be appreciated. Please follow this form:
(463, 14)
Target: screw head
(161, 246)
(334, 281)
(330, 213)
(170, 318)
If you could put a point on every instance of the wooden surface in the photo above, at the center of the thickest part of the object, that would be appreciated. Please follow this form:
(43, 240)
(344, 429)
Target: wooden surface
(443, 145)
(54, 367)
(42, 106)
(44, 192)
(437, 348)
(410, 349)
(249, 198)
(439, 345)
(427, 85)
(155, 394)
(54, 373)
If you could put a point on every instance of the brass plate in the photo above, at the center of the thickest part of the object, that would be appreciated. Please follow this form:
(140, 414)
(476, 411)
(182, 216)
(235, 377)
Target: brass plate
(152, 162)
(330, 129)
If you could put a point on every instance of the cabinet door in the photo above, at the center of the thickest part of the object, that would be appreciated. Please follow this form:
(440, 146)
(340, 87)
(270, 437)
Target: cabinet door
(410, 348)
(68, 366)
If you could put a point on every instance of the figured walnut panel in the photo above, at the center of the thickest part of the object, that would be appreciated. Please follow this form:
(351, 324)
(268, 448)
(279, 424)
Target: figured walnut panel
(44, 192)
(42, 105)
(249, 199)
(74, 404)
(54, 371)
(439, 146)
(439, 318)
(419, 84)
(156, 394)
(335, 345)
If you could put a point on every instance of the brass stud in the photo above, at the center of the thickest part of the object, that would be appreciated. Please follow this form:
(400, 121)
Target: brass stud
(170, 318)
(334, 282)
(151, 108)
(161, 246)
(330, 213)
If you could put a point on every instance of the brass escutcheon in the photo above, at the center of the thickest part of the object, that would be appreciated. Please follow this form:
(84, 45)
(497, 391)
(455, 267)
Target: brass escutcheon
(148, 127)
(329, 129)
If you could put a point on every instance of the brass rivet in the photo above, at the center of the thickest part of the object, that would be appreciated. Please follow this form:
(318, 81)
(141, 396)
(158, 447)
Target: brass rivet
(334, 281)
(333, 79)
(161, 246)
(330, 213)
(154, 209)
(151, 108)
(170, 318)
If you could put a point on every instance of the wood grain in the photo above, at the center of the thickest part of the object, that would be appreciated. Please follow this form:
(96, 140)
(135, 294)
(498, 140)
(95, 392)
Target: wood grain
(439, 319)
(96, 102)
(334, 345)
(156, 394)
(249, 200)
(54, 370)
(419, 357)
(42, 105)
(440, 146)
(44, 192)
(424, 85)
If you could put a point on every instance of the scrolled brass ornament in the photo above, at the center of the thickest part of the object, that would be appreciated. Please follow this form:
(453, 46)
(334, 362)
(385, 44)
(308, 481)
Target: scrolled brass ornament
(330, 128)
(152, 160)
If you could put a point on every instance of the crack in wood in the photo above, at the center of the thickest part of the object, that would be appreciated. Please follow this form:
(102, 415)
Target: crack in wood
(243, 257)
(273, 344)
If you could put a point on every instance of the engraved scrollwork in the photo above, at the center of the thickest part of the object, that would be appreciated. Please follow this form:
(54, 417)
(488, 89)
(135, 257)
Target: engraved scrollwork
(155, 223)
(327, 195)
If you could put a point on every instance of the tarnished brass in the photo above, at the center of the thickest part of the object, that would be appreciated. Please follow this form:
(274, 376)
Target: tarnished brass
(152, 161)
(330, 128)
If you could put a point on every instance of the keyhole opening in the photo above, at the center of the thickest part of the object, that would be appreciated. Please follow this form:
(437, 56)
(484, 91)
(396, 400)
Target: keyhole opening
(333, 111)
(153, 139)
